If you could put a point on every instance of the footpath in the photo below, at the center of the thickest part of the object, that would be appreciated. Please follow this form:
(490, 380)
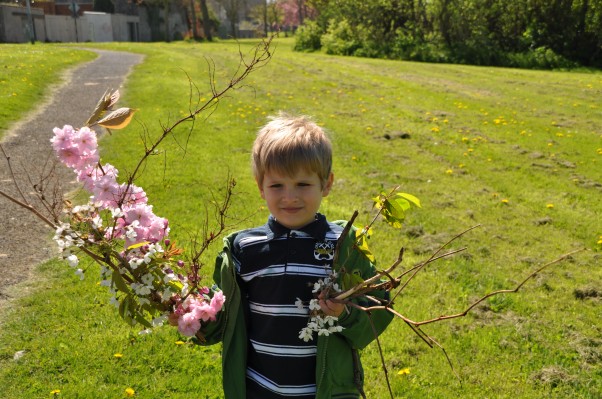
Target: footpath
(25, 240)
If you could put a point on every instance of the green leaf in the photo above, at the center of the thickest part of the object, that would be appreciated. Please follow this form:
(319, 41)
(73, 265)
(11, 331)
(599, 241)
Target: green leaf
(414, 200)
(362, 244)
(139, 317)
(394, 211)
(119, 282)
(138, 245)
(350, 280)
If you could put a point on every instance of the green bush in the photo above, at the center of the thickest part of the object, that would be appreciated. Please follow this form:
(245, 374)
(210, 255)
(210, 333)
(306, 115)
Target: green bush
(308, 37)
(539, 58)
(406, 47)
(340, 39)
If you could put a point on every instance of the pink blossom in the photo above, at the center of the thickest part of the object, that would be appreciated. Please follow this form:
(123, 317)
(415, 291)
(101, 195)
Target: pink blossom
(217, 301)
(91, 174)
(106, 190)
(85, 140)
(141, 212)
(86, 160)
(62, 138)
(188, 324)
(133, 194)
(69, 155)
(202, 310)
(158, 229)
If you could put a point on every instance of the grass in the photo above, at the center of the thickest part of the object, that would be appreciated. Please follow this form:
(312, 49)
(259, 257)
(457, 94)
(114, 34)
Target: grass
(28, 72)
(517, 152)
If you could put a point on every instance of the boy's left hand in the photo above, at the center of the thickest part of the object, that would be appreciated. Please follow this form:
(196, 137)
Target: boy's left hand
(330, 307)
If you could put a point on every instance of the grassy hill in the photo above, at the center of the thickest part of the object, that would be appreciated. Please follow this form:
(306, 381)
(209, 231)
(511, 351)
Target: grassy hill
(517, 152)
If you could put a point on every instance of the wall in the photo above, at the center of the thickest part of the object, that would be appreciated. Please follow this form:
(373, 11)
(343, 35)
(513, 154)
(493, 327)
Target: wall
(61, 28)
(14, 24)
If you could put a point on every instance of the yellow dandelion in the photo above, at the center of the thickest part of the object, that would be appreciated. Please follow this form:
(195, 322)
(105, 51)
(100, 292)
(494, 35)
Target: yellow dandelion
(180, 342)
(600, 241)
(449, 171)
(118, 355)
(464, 139)
(550, 206)
(470, 150)
(404, 371)
(435, 129)
(129, 392)
(369, 128)
(505, 201)
(55, 392)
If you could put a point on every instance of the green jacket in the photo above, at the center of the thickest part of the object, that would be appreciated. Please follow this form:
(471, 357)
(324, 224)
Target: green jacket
(338, 367)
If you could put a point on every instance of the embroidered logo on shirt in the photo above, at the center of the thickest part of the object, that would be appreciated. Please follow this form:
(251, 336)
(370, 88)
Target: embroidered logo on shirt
(324, 250)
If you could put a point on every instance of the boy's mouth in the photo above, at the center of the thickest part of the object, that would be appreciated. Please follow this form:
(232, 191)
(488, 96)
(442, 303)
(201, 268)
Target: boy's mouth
(291, 210)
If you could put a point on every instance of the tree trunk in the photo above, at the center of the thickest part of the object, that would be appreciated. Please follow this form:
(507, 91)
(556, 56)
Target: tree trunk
(206, 20)
(195, 33)
(167, 30)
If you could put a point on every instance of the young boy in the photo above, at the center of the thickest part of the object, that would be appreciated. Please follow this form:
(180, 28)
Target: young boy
(265, 270)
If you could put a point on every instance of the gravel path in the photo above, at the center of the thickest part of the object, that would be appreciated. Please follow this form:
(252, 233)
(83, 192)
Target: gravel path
(25, 241)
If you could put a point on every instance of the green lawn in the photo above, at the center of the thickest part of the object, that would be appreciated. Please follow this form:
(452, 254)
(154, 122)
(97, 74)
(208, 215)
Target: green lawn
(517, 152)
(28, 71)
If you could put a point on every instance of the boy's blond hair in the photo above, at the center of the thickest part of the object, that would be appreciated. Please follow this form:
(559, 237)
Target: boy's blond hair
(289, 143)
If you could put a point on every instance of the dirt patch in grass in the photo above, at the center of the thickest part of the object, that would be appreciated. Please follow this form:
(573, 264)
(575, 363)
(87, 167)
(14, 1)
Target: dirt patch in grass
(553, 376)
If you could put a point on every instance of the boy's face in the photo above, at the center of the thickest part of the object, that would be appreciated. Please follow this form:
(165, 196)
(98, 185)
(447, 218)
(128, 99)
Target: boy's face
(294, 200)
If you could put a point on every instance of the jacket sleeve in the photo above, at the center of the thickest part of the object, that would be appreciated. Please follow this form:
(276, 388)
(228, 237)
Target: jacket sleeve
(359, 327)
(225, 280)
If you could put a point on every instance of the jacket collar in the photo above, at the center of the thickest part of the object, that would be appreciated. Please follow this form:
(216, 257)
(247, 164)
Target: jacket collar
(317, 229)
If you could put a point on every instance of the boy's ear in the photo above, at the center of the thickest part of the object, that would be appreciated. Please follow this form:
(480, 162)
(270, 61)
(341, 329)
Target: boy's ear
(328, 185)
(260, 189)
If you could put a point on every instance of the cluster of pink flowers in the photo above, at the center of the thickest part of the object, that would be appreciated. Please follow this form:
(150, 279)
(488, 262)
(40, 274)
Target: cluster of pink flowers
(196, 308)
(132, 221)
(134, 218)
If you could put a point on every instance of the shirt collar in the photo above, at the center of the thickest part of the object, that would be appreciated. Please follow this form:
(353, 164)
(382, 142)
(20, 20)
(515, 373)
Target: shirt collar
(317, 229)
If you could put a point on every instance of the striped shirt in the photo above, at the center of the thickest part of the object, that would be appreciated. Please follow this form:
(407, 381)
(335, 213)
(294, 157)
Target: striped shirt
(277, 266)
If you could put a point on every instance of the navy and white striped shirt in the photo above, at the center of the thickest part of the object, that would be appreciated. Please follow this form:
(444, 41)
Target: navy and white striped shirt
(275, 267)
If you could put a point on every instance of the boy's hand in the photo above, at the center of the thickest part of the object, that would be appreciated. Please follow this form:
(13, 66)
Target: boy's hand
(329, 307)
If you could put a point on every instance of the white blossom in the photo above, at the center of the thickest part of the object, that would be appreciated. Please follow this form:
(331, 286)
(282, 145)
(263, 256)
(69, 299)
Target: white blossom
(135, 262)
(306, 334)
(116, 213)
(80, 273)
(73, 260)
(158, 321)
(148, 279)
(314, 304)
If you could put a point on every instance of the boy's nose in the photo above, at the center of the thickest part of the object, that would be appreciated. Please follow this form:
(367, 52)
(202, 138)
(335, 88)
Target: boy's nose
(290, 194)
